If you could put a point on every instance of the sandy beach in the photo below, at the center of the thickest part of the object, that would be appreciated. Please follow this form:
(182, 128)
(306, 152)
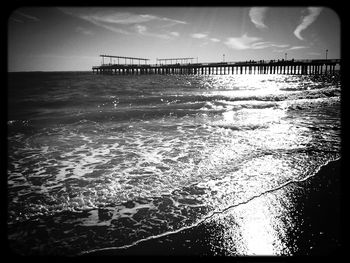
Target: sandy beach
(315, 216)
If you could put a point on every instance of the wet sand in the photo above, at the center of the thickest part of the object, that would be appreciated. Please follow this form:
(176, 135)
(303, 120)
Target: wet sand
(299, 219)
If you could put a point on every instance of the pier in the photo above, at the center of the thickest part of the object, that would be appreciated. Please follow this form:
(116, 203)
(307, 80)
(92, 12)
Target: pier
(186, 67)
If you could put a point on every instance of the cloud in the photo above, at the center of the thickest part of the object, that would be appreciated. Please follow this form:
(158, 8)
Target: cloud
(117, 18)
(241, 43)
(143, 30)
(199, 35)
(280, 45)
(215, 39)
(314, 12)
(204, 36)
(128, 18)
(171, 22)
(112, 28)
(297, 47)
(110, 16)
(175, 34)
(246, 42)
(257, 16)
(261, 45)
(284, 48)
(28, 16)
(123, 22)
(95, 17)
(83, 31)
(16, 20)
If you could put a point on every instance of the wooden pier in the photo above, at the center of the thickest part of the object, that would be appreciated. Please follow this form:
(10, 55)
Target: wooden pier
(291, 67)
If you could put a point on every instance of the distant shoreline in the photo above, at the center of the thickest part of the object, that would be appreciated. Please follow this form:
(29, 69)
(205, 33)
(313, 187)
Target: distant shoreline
(38, 71)
(90, 71)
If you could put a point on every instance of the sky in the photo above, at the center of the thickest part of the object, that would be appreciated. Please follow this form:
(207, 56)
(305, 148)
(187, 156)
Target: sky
(72, 38)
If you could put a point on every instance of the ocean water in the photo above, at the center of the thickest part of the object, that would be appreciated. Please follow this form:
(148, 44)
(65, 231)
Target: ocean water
(99, 161)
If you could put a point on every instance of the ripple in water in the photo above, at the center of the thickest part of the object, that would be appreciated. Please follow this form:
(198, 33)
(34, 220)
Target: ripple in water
(150, 156)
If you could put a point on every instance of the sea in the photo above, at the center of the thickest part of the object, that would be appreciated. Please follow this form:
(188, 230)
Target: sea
(99, 162)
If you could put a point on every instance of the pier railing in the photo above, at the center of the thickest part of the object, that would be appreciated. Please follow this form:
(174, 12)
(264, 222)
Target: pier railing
(303, 67)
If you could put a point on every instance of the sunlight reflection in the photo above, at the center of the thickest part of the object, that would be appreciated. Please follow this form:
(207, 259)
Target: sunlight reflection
(259, 227)
(248, 85)
(258, 230)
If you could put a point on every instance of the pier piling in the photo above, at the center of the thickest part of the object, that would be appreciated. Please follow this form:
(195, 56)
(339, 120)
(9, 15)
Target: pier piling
(293, 67)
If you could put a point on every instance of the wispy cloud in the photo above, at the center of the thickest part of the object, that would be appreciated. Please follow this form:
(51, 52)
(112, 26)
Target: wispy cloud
(143, 30)
(297, 47)
(175, 34)
(199, 35)
(284, 48)
(115, 17)
(241, 43)
(171, 22)
(118, 18)
(215, 39)
(30, 17)
(261, 45)
(257, 16)
(112, 28)
(125, 22)
(204, 36)
(307, 20)
(16, 20)
(128, 18)
(122, 22)
(83, 31)
(280, 45)
(246, 42)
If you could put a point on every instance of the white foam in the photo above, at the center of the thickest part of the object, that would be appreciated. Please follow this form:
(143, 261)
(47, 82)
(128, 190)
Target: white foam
(155, 157)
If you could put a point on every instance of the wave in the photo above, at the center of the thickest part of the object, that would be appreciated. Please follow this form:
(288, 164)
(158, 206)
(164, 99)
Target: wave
(213, 213)
(180, 107)
(241, 127)
(129, 168)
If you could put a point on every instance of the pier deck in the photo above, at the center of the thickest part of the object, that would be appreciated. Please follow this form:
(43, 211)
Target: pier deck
(294, 67)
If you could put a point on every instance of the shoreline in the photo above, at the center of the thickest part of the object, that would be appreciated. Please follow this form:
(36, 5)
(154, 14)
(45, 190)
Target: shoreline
(318, 234)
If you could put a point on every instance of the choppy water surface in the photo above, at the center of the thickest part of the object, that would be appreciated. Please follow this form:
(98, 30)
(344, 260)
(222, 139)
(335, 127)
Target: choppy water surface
(108, 161)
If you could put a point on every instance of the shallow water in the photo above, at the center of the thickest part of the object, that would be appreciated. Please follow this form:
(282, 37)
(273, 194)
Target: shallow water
(106, 161)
